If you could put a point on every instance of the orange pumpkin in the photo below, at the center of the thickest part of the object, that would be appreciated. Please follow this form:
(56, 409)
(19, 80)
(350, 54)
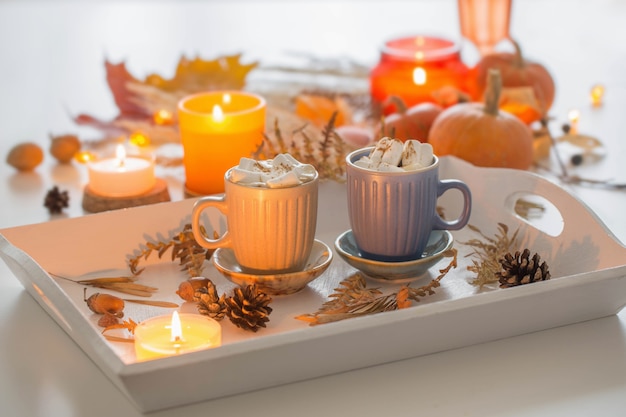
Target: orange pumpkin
(412, 123)
(518, 72)
(483, 134)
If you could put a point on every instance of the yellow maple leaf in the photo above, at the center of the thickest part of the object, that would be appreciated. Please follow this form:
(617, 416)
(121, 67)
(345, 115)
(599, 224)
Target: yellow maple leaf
(223, 73)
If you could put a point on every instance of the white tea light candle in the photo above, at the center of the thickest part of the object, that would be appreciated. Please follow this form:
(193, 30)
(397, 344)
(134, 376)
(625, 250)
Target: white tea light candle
(164, 336)
(121, 176)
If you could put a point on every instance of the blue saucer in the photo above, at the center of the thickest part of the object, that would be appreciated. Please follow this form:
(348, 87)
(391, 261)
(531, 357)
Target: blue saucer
(438, 243)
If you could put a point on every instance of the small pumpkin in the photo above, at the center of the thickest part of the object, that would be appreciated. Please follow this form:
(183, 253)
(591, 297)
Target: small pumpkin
(516, 71)
(412, 123)
(482, 134)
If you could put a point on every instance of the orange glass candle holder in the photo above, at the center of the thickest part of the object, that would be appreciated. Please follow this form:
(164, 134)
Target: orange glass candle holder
(485, 23)
(217, 129)
(413, 68)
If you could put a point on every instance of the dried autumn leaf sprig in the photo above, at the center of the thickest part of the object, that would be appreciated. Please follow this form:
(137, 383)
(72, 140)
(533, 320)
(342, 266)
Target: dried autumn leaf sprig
(497, 263)
(185, 248)
(325, 152)
(487, 253)
(354, 299)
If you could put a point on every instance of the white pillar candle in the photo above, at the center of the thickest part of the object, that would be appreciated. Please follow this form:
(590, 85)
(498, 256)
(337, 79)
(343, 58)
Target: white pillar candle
(121, 176)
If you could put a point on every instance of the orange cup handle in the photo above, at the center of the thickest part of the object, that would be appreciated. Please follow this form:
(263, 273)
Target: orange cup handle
(219, 202)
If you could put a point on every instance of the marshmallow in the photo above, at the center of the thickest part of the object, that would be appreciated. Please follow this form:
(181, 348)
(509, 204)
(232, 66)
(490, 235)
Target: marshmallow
(246, 164)
(417, 154)
(387, 150)
(391, 155)
(287, 179)
(385, 167)
(282, 171)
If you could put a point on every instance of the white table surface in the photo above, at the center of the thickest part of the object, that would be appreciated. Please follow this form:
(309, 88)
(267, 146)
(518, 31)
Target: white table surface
(51, 67)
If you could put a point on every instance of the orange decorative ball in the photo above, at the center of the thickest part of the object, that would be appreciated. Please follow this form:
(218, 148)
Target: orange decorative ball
(482, 134)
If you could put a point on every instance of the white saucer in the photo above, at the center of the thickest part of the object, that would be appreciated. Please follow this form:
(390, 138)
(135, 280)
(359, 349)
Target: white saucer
(275, 284)
(438, 243)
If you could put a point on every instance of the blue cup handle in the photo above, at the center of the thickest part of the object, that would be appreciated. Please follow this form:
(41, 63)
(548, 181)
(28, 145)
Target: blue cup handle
(461, 221)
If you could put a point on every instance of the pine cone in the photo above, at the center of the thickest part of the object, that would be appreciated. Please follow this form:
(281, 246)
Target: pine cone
(209, 303)
(56, 200)
(520, 269)
(248, 308)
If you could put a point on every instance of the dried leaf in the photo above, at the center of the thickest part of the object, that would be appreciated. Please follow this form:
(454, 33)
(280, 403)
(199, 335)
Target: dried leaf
(165, 304)
(129, 325)
(487, 252)
(138, 100)
(354, 299)
(190, 254)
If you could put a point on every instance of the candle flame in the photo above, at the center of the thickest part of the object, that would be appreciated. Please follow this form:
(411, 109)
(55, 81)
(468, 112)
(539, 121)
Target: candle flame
(573, 116)
(218, 113)
(226, 98)
(120, 154)
(597, 94)
(419, 76)
(177, 331)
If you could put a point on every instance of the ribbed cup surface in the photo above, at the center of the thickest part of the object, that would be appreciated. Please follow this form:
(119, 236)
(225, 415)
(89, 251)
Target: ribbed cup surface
(272, 229)
(391, 215)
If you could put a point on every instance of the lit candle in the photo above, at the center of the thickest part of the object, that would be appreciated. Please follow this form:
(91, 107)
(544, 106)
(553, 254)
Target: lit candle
(216, 130)
(413, 68)
(174, 335)
(121, 176)
(573, 116)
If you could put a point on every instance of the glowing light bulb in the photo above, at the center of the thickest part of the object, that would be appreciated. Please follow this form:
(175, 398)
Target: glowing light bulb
(84, 156)
(163, 117)
(139, 139)
(597, 95)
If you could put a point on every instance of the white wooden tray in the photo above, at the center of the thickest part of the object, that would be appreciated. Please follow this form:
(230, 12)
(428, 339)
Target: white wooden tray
(587, 263)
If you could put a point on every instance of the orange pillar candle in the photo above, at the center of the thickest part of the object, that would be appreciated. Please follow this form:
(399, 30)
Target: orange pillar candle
(164, 336)
(121, 176)
(412, 68)
(216, 130)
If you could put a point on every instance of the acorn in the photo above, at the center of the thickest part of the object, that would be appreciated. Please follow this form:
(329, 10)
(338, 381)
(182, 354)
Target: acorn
(105, 303)
(64, 147)
(187, 289)
(25, 156)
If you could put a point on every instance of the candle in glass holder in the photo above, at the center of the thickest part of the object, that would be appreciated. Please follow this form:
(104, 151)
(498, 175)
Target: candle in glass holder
(216, 130)
(164, 336)
(415, 67)
(121, 176)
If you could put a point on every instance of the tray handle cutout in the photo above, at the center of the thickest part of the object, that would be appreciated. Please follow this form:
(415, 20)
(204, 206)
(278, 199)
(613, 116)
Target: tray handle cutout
(536, 211)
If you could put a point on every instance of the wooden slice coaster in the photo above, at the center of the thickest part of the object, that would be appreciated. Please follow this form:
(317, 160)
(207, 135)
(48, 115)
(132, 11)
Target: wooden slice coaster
(95, 203)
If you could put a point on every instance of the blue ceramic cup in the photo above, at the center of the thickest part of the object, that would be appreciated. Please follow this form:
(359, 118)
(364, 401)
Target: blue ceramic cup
(393, 213)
